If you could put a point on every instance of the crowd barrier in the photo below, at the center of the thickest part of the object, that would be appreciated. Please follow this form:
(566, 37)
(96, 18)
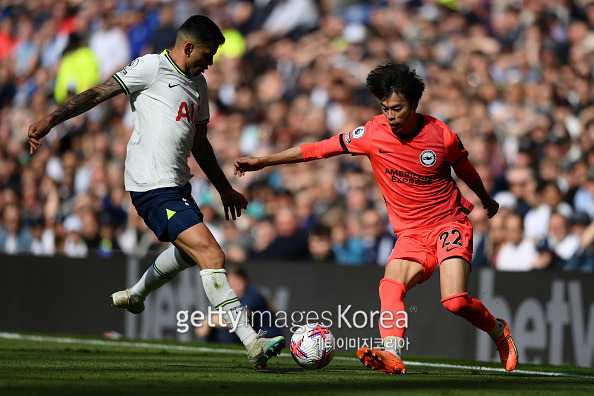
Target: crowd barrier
(551, 314)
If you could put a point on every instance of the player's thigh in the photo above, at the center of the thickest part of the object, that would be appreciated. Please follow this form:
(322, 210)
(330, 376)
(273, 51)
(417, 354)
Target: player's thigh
(453, 276)
(199, 243)
(407, 272)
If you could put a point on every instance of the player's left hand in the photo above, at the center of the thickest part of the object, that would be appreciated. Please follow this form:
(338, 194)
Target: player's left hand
(492, 207)
(233, 202)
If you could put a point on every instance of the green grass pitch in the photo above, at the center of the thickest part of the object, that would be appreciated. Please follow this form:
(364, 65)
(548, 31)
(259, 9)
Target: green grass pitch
(47, 365)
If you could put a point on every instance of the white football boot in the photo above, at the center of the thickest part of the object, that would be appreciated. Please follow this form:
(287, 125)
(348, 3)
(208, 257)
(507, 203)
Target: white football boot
(124, 299)
(262, 349)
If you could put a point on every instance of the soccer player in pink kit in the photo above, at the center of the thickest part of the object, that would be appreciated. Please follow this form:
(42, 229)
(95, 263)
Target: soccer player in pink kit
(412, 156)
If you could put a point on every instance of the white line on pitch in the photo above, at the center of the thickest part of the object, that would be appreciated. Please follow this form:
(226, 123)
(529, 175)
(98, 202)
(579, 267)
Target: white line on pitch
(70, 340)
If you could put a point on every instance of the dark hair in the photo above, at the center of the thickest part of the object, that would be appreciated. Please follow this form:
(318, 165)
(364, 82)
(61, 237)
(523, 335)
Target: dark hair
(319, 230)
(237, 270)
(389, 78)
(201, 29)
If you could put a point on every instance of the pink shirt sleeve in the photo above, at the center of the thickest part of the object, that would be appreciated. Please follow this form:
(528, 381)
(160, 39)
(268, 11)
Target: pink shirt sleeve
(457, 156)
(352, 142)
(465, 170)
(323, 149)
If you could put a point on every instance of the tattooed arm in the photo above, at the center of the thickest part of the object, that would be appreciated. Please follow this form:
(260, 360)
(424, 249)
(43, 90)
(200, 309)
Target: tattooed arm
(233, 201)
(75, 106)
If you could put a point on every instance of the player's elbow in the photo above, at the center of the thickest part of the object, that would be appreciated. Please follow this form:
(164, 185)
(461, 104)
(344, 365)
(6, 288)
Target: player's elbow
(465, 171)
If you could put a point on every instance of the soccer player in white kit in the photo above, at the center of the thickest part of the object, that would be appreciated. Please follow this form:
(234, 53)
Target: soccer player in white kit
(169, 99)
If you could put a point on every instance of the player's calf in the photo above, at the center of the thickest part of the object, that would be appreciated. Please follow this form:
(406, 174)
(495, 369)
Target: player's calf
(470, 309)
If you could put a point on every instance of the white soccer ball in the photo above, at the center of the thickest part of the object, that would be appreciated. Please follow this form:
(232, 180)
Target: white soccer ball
(312, 346)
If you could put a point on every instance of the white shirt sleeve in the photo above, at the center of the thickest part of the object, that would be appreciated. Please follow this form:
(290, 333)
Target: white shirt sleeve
(139, 74)
(204, 112)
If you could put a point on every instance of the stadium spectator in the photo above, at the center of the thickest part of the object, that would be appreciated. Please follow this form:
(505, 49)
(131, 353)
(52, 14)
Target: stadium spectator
(139, 32)
(548, 199)
(26, 50)
(7, 39)
(74, 243)
(583, 259)
(90, 227)
(319, 244)
(561, 241)
(553, 197)
(290, 242)
(522, 183)
(137, 239)
(495, 237)
(14, 238)
(576, 175)
(347, 247)
(43, 243)
(164, 36)
(291, 17)
(264, 234)
(110, 46)
(584, 196)
(78, 71)
(377, 240)
(236, 243)
(518, 252)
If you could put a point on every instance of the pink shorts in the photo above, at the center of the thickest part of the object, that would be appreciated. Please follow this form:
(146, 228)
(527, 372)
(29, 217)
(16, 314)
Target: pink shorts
(429, 247)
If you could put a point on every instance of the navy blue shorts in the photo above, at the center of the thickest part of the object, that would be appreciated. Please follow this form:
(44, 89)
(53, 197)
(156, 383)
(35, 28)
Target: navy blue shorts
(167, 211)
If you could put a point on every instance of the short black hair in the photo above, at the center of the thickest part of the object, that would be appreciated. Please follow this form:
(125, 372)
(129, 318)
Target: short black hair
(389, 78)
(237, 270)
(320, 230)
(202, 29)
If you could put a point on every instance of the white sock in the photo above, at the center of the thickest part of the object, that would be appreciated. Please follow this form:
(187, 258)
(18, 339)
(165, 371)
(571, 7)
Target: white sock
(222, 296)
(394, 345)
(497, 330)
(166, 267)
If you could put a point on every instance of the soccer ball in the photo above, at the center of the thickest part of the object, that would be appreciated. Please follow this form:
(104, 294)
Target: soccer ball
(312, 346)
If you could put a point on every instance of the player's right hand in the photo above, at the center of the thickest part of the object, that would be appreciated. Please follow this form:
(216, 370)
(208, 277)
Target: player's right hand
(492, 207)
(246, 164)
(36, 132)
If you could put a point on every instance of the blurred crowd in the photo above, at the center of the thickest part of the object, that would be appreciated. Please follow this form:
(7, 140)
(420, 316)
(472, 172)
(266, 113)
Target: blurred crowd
(513, 78)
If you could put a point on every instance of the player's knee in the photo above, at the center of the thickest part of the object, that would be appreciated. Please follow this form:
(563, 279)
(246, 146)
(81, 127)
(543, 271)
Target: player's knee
(214, 258)
(185, 258)
(219, 259)
(458, 304)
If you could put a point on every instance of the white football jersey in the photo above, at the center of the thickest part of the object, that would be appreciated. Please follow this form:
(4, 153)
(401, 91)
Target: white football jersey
(167, 104)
